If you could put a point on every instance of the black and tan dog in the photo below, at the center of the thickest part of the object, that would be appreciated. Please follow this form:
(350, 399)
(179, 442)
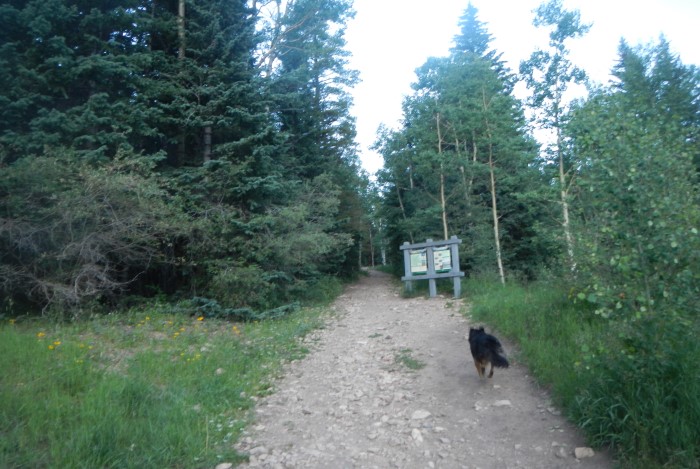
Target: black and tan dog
(486, 349)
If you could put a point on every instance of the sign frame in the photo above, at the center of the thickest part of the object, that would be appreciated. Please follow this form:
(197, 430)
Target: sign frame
(441, 259)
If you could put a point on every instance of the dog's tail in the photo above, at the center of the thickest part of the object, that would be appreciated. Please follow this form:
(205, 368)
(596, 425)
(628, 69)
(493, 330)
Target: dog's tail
(499, 361)
(497, 358)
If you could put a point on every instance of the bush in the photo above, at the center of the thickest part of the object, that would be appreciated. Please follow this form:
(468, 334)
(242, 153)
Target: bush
(244, 287)
(72, 233)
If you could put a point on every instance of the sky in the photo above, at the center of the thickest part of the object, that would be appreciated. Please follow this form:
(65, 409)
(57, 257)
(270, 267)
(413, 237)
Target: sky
(389, 39)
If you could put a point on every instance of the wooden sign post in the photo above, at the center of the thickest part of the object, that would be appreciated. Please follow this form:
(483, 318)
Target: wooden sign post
(432, 260)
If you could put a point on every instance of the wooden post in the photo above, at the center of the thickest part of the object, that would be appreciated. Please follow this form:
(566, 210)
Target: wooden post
(454, 256)
(407, 265)
(432, 289)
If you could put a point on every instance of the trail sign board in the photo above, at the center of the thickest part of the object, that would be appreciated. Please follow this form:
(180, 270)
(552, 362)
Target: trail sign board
(419, 261)
(432, 260)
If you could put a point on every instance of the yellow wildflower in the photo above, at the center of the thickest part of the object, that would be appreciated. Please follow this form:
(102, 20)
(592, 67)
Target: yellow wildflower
(41, 334)
(201, 318)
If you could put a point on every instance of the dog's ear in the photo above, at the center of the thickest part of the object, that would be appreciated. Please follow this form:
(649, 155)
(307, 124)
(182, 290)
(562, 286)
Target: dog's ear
(481, 329)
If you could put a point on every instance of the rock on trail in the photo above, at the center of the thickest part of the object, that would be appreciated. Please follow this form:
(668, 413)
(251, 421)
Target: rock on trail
(354, 403)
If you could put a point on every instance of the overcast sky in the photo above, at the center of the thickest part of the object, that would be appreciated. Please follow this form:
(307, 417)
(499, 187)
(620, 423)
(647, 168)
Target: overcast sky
(389, 39)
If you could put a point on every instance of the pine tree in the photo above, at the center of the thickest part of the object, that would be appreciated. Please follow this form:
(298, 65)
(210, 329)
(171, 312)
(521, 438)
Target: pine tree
(80, 68)
(311, 85)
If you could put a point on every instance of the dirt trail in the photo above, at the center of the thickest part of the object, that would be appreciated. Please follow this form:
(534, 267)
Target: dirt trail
(351, 404)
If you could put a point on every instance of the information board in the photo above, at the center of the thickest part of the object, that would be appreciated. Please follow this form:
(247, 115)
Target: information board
(432, 260)
(443, 259)
(419, 262)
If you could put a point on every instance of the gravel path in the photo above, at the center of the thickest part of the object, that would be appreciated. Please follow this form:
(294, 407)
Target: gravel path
(353, 403)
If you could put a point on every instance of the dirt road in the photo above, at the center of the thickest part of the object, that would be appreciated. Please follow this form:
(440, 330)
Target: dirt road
(361, 399)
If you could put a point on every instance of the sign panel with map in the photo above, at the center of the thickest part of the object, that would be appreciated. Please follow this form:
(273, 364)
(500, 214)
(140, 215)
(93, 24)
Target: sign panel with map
(419, 262)
(443, 259)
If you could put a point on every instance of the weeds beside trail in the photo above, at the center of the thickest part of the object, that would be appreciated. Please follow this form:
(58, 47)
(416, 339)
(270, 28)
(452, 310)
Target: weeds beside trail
(141, 389)
(634, 386)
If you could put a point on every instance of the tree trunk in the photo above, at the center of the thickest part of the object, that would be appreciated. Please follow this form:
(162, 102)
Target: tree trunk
(206, 154)
(564, 193)
(181, 29)
(443, 202)
(494, 202)
(403, 210)
(494, 212)
(359, 253)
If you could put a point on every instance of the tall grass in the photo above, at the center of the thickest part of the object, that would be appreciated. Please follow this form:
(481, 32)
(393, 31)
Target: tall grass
(631, 385)
(551, 334)
(144, 389)
(646, 400)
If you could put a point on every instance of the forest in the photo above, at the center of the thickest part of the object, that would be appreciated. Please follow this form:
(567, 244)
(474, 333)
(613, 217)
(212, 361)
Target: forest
(204, 151)
(152, 150)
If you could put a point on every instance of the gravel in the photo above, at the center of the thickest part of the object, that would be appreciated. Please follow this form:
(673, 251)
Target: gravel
(354, 402)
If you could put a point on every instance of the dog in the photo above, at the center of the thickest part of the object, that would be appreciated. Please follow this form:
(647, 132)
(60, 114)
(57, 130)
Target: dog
(486, 349)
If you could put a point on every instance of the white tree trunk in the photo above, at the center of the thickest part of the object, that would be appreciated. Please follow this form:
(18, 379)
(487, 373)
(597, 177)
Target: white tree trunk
(494, 212)
(494, 202)
(564, 194)
(443, 201)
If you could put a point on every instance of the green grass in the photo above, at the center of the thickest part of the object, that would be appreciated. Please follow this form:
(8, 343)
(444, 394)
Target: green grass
(554, 337)
(143, 389)
(631, 385)
(404, 357)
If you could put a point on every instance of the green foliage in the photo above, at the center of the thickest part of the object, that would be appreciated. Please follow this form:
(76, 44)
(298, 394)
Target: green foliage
(142, 158)
(639, 195)
(246, 286)
(405, 358)
(142, 389)
(549, 72)
(209, 308)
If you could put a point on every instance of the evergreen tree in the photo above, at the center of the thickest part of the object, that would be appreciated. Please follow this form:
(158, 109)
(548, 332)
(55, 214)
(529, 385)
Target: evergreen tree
(474, 40)
(168, 96)
(311, 83)
(473, 37)
(69, 77)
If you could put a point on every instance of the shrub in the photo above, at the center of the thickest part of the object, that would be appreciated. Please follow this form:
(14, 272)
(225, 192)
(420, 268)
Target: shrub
(71, 233)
